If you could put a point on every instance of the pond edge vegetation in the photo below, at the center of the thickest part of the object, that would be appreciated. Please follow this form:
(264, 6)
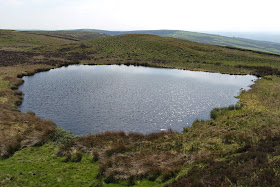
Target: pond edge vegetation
(235, 139)
(65, 138)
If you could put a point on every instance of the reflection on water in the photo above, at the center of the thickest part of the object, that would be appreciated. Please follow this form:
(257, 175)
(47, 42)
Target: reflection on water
(91, 99)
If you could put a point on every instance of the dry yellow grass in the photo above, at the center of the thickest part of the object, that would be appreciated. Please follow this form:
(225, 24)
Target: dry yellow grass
(17, 129)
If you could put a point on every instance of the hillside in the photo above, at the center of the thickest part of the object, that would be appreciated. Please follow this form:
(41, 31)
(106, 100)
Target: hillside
(239, 141)
(69, 35)
(203, 38)
(262, 36)
(171, 52)
(24, 40)
(27, 40)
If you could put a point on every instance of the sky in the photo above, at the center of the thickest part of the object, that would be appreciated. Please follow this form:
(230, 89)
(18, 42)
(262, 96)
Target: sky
(189, 15)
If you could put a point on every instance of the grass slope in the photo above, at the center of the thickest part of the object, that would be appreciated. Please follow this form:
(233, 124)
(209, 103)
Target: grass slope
(262, 36)
(256, 45)
(228, 41)
(170, 52)
(236, 143)
(28, 40)
(15, 40)
(69, 35)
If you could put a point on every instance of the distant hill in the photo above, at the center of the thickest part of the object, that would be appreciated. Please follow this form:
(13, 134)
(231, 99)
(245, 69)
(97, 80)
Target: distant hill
(153, 50)
(262, 36)
(70, 35)
(256, 45)
(31, 40)
(113, 33)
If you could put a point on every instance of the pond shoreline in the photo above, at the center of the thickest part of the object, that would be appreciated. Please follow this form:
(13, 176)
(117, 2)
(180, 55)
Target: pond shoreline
(134, 67)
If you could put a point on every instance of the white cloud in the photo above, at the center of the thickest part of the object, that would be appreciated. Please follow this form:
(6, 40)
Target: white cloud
(145, 14)
(10, 2)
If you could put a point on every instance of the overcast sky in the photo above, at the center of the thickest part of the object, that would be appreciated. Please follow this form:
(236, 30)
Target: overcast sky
(192, 15)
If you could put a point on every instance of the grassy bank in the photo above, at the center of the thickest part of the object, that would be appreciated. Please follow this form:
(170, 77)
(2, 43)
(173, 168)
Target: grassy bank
(215, 152)
(39, 166)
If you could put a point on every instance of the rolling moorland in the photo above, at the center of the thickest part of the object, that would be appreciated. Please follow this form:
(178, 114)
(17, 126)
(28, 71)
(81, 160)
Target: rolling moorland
(262, 36)
(215, 39)
(239, 146)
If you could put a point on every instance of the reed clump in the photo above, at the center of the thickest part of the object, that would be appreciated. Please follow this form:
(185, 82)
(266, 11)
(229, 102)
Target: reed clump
(216, 111)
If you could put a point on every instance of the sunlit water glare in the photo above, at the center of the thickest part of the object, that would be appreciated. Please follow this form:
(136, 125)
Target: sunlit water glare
(91, 99)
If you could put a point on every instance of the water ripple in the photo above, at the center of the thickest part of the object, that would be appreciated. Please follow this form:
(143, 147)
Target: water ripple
(91, 99)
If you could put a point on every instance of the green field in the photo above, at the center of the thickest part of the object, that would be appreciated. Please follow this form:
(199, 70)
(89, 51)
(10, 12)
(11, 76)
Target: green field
(238, 147)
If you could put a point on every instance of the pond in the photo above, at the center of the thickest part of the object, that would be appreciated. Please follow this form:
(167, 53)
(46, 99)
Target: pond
(92, 99)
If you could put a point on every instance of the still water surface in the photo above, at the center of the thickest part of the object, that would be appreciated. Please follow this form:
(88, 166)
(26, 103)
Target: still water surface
(92, 99)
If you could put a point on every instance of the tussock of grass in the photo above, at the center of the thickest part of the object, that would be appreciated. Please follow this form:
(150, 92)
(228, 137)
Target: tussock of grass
(62, 136)
(218, 111)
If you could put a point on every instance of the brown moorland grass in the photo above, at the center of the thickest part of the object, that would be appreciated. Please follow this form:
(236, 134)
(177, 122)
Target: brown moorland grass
(18, 130)
(256, 165)
(208, 146)
(164, 155)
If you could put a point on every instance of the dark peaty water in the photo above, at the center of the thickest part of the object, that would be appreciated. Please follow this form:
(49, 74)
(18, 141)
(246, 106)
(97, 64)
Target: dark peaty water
(92, 99)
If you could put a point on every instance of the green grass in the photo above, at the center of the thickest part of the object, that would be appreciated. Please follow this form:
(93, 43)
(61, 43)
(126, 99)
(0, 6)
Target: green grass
(39, 166)
(205, 148)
